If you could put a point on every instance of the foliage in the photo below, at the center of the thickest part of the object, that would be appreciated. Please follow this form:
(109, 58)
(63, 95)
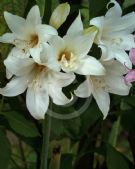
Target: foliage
(93, 143)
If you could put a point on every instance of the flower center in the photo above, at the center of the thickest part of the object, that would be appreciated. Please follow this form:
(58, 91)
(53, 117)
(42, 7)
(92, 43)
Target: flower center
(34, 40)
(65, 55)
(39, 68)
(67, 59)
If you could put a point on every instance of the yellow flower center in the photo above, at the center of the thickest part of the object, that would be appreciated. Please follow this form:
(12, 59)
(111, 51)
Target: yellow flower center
(34, 39)
(67, 59)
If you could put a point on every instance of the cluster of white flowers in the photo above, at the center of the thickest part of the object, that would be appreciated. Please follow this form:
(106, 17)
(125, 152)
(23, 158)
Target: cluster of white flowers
(42, 62)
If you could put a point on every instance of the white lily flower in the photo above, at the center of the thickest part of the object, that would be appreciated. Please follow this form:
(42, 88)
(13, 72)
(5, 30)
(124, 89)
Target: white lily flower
(27, 34)
(41, 80)
(71, 50)
(59, 15)
(114, 36)
(101, 86)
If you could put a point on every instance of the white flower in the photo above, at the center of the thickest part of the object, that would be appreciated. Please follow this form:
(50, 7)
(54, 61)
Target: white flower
(40, 79)
(71, 50)
(101, 86)
(114, 36)
(28, 34)
(59, 15)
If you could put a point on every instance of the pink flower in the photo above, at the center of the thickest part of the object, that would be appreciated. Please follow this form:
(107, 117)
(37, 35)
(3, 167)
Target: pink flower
(130, 77)
(132, 55)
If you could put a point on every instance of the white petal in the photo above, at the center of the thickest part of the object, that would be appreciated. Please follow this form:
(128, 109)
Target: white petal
(35, 53)
(45, 32)
(8, 74)
(114, 11)
(117, 85)
(37, 101)
(15, 23)
(103, 100)
(80, 44)
(59, 15)
(76, 26)
(16, 86)
(90, 66)
(7, 38)
(48, 57)
(18, 65)
(115, 67)
(34, 16)
(58, 96)
(99, 23)
(60, 79)
(109, 53)
(127, 42)
(122, 24)
(123, 57)
(84, 89)
(57, 43)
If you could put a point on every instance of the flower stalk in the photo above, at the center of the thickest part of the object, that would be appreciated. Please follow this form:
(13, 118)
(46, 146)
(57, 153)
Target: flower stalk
(46, 138)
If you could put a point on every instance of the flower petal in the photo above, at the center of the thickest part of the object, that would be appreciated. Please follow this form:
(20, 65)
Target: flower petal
(33, 16)
(16, 86)
(99, 23)
(35, 53)
(37, 101)
(45, 32)
(76, 26)
(108, 53)
(103, 100)
(18, 65)
(58, 96)
(127, 42)
(84, 89)
(80, 44)
(8, 74)
(125, 26)
(114, 67)
(114, 11)
(130, 77)
(15, 23)
(60, 79)
(90, 66)
(132, 55)
(7, 38)
(117, 85)
(48, 58)
(59, 15)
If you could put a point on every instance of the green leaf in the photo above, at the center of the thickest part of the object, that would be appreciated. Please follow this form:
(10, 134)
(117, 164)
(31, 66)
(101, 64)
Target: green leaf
(128, 3)
(115, 160)
(114, 132)
(128, 120)
(66, 161)
(20, 125)
(41, 4)
(97, 8)
(75, 128)
(5, 151)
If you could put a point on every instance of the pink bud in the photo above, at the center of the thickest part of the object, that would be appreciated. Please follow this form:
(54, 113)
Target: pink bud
(132, 55)
(130, 77)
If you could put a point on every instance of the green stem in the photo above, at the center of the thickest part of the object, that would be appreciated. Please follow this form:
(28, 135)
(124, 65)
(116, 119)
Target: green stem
(114, 133)
(46, 139)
